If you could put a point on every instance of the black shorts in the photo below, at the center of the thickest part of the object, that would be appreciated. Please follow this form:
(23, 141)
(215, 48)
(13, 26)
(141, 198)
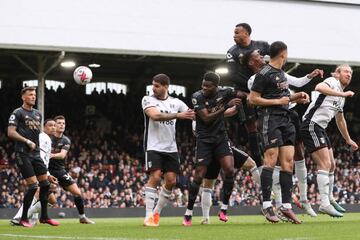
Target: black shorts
(240, 157)
(30, 165)
(314, 137)
(276, 130)
(164, 161)
(209, 154)
(295, 119)
(206, 152)
(63, 177)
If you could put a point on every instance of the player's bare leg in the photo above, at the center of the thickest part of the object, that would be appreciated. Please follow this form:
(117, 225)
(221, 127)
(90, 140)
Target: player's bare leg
(79, 202)
(286, 155)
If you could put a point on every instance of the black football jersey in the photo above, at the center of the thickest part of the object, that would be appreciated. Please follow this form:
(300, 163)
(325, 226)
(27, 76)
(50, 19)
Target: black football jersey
(272, 84)
(240, 73)
(210, 132)
(28, 125)
(58, 144)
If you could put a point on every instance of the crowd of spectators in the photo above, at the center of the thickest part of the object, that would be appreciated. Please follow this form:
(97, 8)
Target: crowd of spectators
(106, 157)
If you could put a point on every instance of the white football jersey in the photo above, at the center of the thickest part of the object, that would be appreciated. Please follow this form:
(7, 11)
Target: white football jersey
(45, 148)
(323, 108)
(160, 135)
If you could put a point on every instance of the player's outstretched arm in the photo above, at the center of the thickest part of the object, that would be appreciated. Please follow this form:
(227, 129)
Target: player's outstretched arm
(342, 126)
(256, 99)
(13, 134)
(327, 90)
(300, 97)
(156, 115)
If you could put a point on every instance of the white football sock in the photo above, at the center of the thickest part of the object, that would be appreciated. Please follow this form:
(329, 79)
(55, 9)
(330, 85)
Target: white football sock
(255, 174)
(163, 199)
(331, 186)
(323, 185)
(150, 197)
(206, 202)
(34, 208)
(301, 175)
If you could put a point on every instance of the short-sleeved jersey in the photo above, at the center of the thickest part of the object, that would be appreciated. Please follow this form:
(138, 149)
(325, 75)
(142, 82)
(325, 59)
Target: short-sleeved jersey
(271, 83)
(240, 73)
(161, 135)
(45, 147)
(211, 132)
(323, 108)
(58, 144)
(28, 125)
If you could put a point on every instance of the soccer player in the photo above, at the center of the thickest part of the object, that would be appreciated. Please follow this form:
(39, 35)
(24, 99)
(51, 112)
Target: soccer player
(239, 75)
(161, 155)
(24, 129)
(241, 161)
(327, 105)
(255, 61)
(45, 152)
(212, 144)
(60, 147)
(270, 92)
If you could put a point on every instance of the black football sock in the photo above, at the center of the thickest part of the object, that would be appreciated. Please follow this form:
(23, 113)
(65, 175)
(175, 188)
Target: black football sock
(286, 184)
(193, 192)
(79, 205)
(29, 195)
(44, 194)
(266, 183)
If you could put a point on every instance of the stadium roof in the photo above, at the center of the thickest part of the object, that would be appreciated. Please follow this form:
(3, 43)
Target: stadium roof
(315, 32)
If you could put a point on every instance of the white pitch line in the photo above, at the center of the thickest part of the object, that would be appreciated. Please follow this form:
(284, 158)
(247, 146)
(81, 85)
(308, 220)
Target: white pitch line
(72, 238)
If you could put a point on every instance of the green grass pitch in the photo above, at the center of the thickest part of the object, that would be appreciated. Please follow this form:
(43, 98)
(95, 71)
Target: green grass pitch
(239, 227)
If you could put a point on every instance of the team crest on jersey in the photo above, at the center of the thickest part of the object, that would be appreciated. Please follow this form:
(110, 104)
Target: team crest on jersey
(322, 140)
(277, 78)
(194, 101)
(228, 55)
(12, 117)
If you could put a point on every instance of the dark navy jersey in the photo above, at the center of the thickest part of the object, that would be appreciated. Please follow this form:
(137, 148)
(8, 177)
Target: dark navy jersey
(240, 73)
(58, 144)
(27, 124)
(272, 84)
(210, 132)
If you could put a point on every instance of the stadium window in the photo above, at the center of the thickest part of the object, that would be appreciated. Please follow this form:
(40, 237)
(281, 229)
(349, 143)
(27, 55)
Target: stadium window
(177, 89)
(30, 83)
(99, 87)
(52, 84)
(48, 84)
(117, 87)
